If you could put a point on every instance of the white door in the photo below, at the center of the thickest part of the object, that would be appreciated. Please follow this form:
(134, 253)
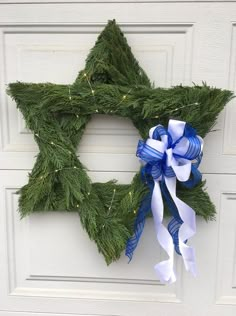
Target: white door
(48, 265)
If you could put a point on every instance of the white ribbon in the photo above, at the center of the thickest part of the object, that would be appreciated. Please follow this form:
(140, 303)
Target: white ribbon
(182, 170)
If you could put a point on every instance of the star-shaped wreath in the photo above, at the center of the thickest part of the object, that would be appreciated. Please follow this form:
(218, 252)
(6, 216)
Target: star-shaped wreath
(111, 83)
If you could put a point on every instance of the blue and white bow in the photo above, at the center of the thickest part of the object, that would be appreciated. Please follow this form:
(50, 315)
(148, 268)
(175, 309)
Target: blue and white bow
(167, 156)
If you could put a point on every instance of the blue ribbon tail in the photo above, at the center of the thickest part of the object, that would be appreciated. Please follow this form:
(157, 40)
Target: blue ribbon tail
(139, 223)
(173, 228)
(176, 221)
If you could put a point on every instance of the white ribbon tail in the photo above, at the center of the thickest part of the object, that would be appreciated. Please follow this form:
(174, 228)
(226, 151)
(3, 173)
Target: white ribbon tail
(164, 269)
(187, 229)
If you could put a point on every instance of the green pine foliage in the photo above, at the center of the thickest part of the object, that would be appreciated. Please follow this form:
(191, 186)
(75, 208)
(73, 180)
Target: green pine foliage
(111, 83)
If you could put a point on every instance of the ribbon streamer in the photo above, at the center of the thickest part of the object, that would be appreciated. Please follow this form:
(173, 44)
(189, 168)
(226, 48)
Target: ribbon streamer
(169, 155)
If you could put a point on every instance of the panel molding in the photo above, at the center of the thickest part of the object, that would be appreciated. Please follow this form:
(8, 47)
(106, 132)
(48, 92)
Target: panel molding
(22, 283)
(26, 313)
(226, 269)
(229, 147)
(33, 277)
(109, 1)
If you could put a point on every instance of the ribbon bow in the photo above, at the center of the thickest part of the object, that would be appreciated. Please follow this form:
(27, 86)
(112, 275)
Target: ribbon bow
(169, 155)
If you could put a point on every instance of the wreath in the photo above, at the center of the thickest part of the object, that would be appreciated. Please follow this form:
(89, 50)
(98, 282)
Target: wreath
(112, 83)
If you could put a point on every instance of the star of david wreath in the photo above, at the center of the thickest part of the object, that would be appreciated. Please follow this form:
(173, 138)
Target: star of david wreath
(113, 83)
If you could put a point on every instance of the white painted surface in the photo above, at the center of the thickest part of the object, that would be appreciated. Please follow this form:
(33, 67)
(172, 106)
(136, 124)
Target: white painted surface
(176, 43)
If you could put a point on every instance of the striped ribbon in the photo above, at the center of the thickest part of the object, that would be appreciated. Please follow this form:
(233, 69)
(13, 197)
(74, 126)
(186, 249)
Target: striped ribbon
(168, 156)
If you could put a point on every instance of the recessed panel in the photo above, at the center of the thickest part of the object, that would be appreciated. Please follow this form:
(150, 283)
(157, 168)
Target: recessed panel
(37, 265)
(226, 275)
(57, 57)
(230, 117)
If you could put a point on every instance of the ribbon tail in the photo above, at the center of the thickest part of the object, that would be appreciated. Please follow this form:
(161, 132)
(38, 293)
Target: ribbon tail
(143, 211)
(187, 229)
(176, 221)
(164, 269)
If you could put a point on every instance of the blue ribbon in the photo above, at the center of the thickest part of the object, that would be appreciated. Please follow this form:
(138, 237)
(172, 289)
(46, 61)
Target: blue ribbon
(156, 167)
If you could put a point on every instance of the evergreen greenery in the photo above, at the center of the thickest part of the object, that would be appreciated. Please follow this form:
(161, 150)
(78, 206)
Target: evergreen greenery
(111, 83)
